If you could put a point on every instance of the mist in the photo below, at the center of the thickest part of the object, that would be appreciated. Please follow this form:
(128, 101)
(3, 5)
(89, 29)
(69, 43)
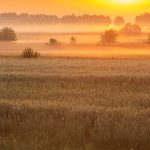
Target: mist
(57, 28)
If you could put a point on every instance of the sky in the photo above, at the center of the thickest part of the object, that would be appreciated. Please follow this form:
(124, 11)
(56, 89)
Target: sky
(62, 7)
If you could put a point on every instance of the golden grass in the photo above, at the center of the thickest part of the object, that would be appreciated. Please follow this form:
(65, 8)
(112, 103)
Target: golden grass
(75, 104)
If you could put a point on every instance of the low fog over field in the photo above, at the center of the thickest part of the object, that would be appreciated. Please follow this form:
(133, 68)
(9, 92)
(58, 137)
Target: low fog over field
(35, 31)
(88, 45)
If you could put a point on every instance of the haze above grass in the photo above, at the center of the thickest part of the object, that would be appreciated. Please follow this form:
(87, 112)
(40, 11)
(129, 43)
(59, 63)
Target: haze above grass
(88, 45)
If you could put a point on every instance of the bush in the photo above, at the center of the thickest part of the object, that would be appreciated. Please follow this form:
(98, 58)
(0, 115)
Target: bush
(73, 40)
(7, 34)
(53, 41)
(109, 36)
(29, 53)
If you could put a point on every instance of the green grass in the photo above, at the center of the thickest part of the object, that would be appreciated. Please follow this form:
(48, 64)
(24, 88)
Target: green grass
(77, 104)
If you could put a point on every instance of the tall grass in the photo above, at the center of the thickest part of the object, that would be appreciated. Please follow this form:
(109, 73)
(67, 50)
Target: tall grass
(74, 104)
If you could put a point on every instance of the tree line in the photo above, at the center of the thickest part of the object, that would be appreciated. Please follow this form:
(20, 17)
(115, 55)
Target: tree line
(143, 19)
(25, 18)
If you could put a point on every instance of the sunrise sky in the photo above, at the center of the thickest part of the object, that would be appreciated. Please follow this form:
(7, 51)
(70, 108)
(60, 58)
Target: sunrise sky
(62, 7)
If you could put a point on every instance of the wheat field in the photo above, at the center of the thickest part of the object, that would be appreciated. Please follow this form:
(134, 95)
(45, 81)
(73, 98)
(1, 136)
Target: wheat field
(74, 104)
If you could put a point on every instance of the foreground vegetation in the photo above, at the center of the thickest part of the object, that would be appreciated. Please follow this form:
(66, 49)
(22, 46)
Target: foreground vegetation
(30, 53)
(77, 104)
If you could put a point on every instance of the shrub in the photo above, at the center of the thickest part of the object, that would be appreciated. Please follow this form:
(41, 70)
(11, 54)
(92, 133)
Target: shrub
(53, 41)
(29, 53)
(73, 40)
(7, 34)
(109, 36)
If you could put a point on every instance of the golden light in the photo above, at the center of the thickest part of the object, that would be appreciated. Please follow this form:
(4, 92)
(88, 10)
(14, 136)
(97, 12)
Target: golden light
(125, 1)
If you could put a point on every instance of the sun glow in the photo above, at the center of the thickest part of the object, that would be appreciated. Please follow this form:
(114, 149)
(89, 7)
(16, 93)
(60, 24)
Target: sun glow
(126, 1)
(63, 7)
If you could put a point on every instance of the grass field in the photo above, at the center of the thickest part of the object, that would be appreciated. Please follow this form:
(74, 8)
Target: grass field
(74, 104)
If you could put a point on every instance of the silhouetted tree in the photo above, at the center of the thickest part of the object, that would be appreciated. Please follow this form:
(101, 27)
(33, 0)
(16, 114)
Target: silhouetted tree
(73, 40)
(109, 36)
(131, 29)
(119, 21)
(53, 42)
(29, 53)
(7, 34)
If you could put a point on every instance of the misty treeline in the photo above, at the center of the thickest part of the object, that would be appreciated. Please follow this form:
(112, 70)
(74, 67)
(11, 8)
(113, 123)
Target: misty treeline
(25, 18)
(143, 19)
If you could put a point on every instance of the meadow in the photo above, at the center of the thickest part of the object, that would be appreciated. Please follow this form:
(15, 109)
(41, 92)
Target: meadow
(74, 104)
(75, 75)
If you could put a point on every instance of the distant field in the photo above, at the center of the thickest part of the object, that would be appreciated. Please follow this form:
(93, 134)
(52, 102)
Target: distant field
(88, 45)
(74, 104)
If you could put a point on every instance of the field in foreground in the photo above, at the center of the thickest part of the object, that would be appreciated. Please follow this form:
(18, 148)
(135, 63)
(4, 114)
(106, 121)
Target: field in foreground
(74, 104)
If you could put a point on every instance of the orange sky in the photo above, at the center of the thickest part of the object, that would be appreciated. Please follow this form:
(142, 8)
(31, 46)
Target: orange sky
(61, 7)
